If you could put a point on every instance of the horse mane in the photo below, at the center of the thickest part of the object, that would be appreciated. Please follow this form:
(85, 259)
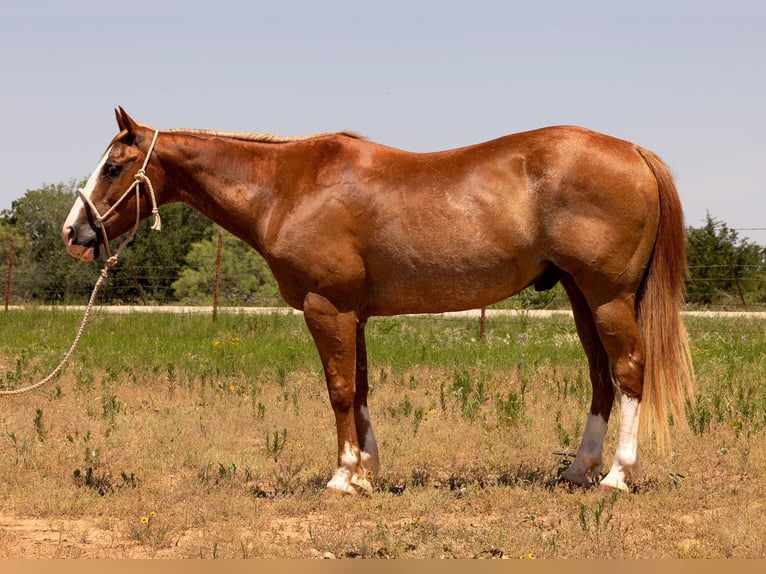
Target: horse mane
(256, 137)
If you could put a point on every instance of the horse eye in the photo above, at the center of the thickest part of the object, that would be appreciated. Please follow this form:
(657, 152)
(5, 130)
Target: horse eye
(112, 170)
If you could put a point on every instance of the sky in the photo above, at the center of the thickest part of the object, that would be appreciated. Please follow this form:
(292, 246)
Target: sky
(686, 79)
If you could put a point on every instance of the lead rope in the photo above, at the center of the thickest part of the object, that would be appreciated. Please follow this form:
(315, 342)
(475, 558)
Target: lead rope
(68, 354)
(111, 260)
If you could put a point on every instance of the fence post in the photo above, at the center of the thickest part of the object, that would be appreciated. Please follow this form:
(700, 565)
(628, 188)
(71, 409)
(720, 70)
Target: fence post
(217, 273)
(8, 280)
(736, 282)
(135, 281)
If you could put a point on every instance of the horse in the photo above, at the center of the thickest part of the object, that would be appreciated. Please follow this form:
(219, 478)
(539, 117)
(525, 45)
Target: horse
(353, 229)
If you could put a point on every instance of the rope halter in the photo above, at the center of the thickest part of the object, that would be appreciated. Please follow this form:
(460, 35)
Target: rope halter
(138, 179)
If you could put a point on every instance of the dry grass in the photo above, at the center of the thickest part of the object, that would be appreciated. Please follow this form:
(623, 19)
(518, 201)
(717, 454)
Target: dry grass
(143, 455)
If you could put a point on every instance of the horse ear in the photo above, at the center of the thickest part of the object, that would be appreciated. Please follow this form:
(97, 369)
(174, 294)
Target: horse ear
(125, 122)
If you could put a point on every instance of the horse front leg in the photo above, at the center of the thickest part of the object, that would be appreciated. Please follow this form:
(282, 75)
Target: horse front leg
(364, 432)
(335, 336)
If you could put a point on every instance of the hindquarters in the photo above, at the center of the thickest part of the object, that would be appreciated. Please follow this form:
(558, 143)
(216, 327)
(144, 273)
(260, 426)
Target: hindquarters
(626, 286)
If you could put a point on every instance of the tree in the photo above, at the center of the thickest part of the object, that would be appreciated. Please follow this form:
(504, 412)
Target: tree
(43, 270)
(245, 277)
(716, 256)
(153, 261)
(11, 241)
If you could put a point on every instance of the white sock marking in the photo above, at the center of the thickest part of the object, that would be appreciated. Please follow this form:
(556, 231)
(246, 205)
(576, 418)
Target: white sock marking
(625, 467)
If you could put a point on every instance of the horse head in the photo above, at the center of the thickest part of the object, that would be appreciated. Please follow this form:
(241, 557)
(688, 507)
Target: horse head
(118, 194)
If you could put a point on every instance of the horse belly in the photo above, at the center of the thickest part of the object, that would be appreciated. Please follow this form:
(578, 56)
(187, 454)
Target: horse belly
(435, 288)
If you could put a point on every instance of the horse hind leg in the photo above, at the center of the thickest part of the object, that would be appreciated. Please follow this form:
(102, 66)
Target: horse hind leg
(618, 330)
(588, 461)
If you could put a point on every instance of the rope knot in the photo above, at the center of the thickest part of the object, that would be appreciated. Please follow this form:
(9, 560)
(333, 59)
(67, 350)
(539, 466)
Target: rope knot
(157, 225)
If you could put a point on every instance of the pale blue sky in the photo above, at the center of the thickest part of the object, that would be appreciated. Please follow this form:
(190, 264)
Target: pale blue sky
(684, 78)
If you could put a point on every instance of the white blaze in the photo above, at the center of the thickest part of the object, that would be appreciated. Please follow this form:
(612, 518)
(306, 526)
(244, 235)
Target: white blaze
(75, 214)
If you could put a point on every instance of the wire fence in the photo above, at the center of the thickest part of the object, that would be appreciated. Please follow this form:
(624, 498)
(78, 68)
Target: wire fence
(157, 285)
(151, 289)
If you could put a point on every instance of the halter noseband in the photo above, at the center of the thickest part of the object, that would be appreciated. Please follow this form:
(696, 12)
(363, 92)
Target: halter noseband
(138, 179)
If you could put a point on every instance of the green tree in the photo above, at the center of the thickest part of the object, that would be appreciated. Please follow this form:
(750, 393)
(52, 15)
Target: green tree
(11, 242)
(717, 255)
(245, 278)
(154, 259)
(43, 270)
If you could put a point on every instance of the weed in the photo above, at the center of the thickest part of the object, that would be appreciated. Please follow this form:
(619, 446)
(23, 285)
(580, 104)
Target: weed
(150, 531)
(39, 423)
(287, 474)
(101, 480)
(171, 379)
(111, 406)
(227, 472)
(417, 419)
(470, 397)
(676, 478)
(260, 411)
(275, 443)
(282, 376)
(563, 435)
(442, 397)
(401, 410)
(699, 416)
(20, 448)
(594, 521)
(509, 409)
(390, 543)
(85, 379)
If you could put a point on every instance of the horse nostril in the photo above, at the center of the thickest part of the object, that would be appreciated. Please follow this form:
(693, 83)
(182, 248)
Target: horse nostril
(68, 234)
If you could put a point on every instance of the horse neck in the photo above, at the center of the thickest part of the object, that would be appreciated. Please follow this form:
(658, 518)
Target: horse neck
(227, 180)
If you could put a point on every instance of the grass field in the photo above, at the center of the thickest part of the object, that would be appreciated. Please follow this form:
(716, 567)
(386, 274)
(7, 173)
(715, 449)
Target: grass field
(176, 436)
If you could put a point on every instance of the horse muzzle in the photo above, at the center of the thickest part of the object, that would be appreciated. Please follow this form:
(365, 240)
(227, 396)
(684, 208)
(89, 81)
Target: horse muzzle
(83, 245)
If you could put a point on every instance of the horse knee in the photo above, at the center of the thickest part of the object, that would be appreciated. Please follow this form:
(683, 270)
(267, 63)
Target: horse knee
(341, 391)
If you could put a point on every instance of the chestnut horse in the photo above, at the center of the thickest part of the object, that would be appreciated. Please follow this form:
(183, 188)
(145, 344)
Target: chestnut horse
(353, 229)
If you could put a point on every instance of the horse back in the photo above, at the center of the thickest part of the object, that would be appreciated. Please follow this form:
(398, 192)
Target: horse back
(422, 232)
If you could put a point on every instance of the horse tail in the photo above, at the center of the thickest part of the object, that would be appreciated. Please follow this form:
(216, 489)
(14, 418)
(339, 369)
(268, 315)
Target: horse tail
(668, 370)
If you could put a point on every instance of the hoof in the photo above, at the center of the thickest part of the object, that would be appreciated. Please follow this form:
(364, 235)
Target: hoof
(575, 478)
(357, 487)
(614, 483)
(361, 486)
(334, 492)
